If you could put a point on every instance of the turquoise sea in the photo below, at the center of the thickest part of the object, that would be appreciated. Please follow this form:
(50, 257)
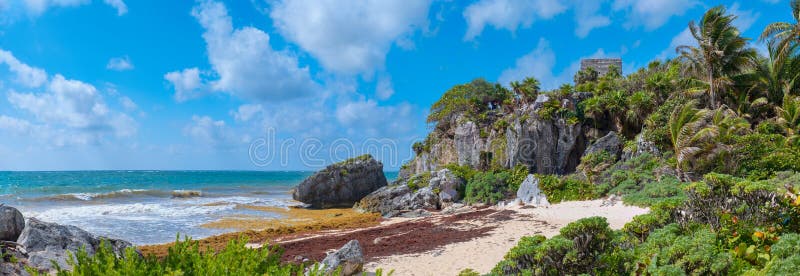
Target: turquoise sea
(147, 207)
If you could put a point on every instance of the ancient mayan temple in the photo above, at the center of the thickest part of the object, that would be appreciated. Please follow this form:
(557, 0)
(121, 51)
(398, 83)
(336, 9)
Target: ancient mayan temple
(600, 64)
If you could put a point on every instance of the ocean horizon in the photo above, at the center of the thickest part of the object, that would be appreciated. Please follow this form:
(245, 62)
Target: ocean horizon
(149, 206)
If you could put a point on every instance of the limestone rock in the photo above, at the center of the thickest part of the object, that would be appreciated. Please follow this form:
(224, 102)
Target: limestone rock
(342, 184)
(448, 185)
(530, 194)
(399, 198)
(393, 200)
(46, 241)
(11, 223)
(350, 258)
(609, 143)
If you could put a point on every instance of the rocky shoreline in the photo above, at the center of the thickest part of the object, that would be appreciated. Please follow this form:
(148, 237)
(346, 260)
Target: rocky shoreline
(44, 246)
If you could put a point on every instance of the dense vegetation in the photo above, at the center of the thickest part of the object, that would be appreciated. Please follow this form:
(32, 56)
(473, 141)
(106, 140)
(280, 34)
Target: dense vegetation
(721, 182)
(723, 185)
(187, 258)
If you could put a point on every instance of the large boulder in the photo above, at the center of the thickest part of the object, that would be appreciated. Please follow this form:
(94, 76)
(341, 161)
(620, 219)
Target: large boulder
(11, 223)
(342, 184)
(350, 258)
(392, 200)
(46, 242)
(426, 191)
(609, 143)
(530, 194)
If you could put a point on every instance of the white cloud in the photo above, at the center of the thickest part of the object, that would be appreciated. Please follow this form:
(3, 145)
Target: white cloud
(538, 63)
(73, 104)
(350, 36)
(588, 19)
(120, 64)
(244, 61)
(38, 7)
(26, 75)
(683, 38)
(128, 104)
(652, 14)
(187, 83)
(246, 112)
(384, 89)
(368, 118)
(66, 112)
(119, 5)
(508, 14)
(744, 18)
(213, 133)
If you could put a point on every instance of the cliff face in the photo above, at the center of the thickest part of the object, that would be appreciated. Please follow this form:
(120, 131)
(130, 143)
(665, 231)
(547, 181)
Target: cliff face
(545, 145)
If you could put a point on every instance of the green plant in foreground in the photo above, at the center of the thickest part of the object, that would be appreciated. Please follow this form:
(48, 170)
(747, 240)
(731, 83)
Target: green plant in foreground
(186, 258)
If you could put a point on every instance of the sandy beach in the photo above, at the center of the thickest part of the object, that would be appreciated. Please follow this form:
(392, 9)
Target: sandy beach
(482, 253)
(443, 243)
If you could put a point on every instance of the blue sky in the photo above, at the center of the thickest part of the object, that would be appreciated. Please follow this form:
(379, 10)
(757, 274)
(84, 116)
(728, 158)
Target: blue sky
(290, 84)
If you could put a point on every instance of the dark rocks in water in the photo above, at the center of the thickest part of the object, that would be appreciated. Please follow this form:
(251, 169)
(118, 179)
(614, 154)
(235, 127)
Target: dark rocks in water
(11, 223)
(609, 143)
(435, 190)
(350, 258)
(46, 242)
(342, 184)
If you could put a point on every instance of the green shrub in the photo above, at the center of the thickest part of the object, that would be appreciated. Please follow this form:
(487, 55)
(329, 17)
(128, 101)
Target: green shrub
(695, 252)
(486, 187)
(565, 188)
(652, 193)
(186, 258)
(418, 181)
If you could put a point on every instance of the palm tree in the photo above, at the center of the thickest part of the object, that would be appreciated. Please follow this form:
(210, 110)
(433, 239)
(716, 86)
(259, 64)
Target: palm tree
(789, 118)
(785, 35)
(721, 52)
(773, 75)
(689, 135)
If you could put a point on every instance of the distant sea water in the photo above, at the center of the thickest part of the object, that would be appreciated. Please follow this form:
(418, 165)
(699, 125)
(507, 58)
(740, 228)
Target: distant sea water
(147, 207)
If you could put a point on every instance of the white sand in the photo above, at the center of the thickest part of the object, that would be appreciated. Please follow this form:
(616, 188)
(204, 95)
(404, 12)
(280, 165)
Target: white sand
(483, 253)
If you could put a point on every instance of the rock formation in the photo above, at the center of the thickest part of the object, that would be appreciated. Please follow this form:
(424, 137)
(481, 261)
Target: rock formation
(46, 242)
(431, 191)
(545, 145)
(342, 184)
(11, 223)
(530, 194)
(609, 143)
(350, 258)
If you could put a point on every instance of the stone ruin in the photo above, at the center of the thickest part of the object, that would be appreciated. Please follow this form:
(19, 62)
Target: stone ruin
(600, 65)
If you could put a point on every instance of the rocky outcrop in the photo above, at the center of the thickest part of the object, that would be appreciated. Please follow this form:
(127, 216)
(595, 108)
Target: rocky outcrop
(11, 223)
(545, 145)
(448, 185)
(530, 194)
(46, 242)
(342, 184)
(642, 146)
(609, 143)
(439, 190)
(349, 258)
(392, 200)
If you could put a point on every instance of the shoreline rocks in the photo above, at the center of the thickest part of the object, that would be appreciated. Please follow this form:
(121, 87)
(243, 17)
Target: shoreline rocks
(46, 242)
(426, 191)
(11, 223)
(342, 184)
